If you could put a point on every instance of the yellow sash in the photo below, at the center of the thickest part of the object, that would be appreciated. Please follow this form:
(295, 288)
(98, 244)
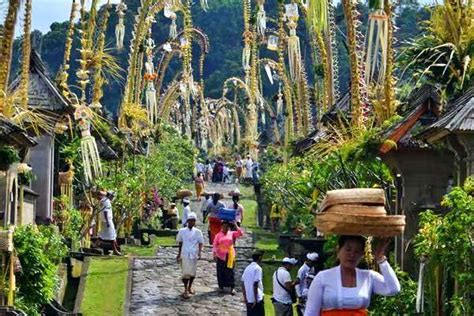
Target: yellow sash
(231, 255)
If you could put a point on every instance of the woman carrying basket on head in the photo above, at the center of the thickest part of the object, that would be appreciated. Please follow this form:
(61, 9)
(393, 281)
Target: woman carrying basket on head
(346, 290)
(224, 255)
(214, 222)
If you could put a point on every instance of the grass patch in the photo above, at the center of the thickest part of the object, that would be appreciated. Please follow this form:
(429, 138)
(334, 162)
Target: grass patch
(247, 191)
(150, 250)
(105, 287)
(250, 212)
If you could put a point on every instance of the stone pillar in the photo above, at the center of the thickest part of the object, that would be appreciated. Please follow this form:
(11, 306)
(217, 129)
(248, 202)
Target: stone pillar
(467, 141)
(42, 161)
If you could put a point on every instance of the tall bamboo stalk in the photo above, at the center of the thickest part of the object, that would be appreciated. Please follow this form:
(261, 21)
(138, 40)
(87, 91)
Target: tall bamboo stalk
(356, 98)
(63, 74)
(6, 45)
(289, 126)
(252, 122)
(389, 83)
(99, 80)
(26, 47)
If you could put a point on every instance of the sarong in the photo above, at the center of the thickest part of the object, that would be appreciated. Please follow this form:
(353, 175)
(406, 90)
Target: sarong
(238, 171)
(199, 188)
(225, 275)
(189, 267)
(214, 227)
(345, 312)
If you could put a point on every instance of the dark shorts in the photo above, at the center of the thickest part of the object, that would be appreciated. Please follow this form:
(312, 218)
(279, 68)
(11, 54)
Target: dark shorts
(258, 310)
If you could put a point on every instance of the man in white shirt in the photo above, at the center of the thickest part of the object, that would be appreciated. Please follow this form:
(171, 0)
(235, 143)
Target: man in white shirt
(301, 288)
(190, 241)
(252, 286)
(199, 167)
(282, 287)
(186, 211)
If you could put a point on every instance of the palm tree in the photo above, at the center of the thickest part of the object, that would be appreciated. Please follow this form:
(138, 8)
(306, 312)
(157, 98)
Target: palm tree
(442, 55)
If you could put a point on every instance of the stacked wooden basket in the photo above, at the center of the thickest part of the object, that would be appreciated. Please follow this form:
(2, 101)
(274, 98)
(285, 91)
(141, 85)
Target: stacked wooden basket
(357, 212)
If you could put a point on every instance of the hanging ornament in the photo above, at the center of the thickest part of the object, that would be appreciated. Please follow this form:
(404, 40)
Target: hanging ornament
(272, 42)
(377, 43)
(268, 70)
(261, 18)
(173, 26)
(293, 45)
(89, 152)
(294, 54)
(204, 5)
(120, 27)
(279, 102)
(167, 47)
(262, 111)
(149, 47)
(150, 100)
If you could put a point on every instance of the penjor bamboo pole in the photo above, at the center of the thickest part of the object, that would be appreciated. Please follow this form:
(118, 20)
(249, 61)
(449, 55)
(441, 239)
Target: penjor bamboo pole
(26, 45)
(6, 44)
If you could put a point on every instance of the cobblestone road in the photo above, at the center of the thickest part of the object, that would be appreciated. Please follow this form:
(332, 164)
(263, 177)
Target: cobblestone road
(157, 286)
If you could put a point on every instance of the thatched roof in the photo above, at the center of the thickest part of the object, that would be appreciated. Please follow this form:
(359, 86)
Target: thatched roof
(458, 119)
(14, 135)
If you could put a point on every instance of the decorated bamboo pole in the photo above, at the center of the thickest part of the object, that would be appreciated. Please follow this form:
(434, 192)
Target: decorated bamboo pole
(63, 75)
(99, 80)
(389, 82)
(26, 48)
(288, 112)
(252, 122)
(355, 64)
(6, 44)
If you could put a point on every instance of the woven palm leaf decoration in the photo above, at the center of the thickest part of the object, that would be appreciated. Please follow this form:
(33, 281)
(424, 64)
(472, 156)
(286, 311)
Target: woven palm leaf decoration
(377, 43)
(120, 27)
(89, 152)
(293, 44)
(149, 77)
(261, 18)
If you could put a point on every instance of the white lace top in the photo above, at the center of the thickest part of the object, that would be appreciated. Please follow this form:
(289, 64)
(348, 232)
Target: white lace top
(326, 291)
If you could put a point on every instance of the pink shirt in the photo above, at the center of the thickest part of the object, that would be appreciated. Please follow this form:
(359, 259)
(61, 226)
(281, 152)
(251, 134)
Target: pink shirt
(222, 243)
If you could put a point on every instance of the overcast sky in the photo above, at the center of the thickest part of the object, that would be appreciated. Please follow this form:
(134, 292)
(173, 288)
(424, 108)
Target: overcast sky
(45, 12)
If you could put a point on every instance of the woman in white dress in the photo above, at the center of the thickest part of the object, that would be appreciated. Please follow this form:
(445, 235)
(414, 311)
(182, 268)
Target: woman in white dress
(346, 290)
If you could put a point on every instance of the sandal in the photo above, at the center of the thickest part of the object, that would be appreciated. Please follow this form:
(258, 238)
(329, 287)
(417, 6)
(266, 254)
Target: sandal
(185, 296)
(191, 291)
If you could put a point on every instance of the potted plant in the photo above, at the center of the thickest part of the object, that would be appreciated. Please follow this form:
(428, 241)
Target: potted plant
(8, 155)
(25, 174)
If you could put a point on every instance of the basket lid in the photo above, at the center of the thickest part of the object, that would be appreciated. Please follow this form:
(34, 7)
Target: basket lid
(361, 196)
(357, 209)
(367, 225)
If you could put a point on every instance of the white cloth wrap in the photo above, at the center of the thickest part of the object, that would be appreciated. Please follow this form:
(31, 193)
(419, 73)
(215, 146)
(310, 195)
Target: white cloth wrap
(189, 267)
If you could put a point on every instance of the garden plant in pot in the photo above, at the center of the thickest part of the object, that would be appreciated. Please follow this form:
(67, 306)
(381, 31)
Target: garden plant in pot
(8, 156)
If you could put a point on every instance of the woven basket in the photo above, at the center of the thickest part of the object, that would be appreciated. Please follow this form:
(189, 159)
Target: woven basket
(356, 209)
(183, 193)
(232, 193)
(6, 240)
(367, 225)
(353, 196)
